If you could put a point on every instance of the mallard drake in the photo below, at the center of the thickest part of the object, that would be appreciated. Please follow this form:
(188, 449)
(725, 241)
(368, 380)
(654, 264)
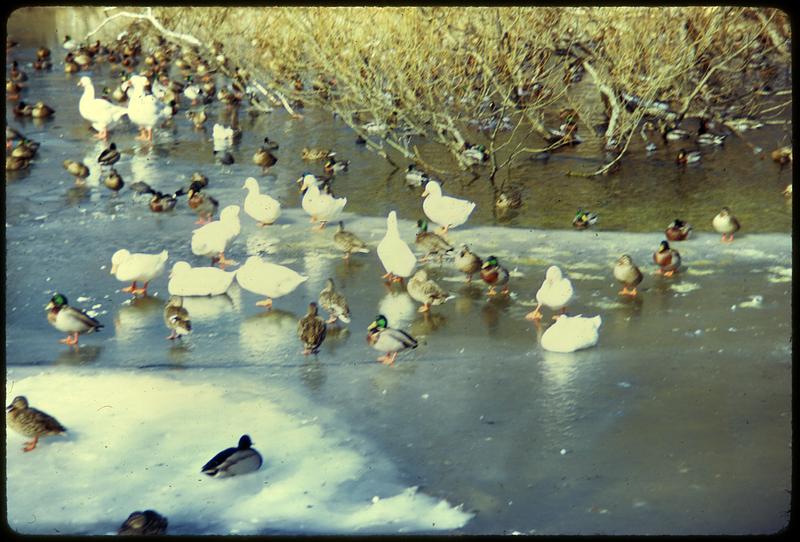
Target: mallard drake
(113, 181)
(16, 164)
(147, 523)
(137, 267)
(17, 75)
(77, 170)
(101, 113)
(31, 422)
(726, 224)
(571, 333)
(25, 149)
(678, 230)
(474, 154)
(185, 280)
(313, 154)
(687, 157)
(494, 275)
(323, 183)
(159, 202)
(430, 242)
(334, 303)
(394, 253)
(584, 219)
(426, 291)
(446, 211)
(198, 118)
(261, 207)
(468, 262)
(392, 341)
(42, 111)
(109, 156)
(626, 272)
(711, 139)
(268, 279)
(144, 109)
(555, 293)
(668, 259)
(203, 204)
(348, 242)
(213, 239)
(312, 330)
(265, 159)
(332, 167)
(415, 176)
(69, 44)
(69, 319)
(323, 208)
(676, 135)
(234, 461)
(176, 317)
(783, 155)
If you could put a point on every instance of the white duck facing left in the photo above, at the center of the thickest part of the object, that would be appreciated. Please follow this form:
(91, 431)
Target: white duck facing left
(137, 267)
(101, 113)
(213, 239)
(446, 211)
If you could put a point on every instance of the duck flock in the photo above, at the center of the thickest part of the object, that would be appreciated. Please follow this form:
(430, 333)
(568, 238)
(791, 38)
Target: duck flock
(150, 98)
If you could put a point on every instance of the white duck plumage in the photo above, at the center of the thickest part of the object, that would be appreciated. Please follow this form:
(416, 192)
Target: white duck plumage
(222, 136)
(322, 207)
(185, 280)
(263, 208)
(268, 279)
(144, 109)
(394, 253)
(213, 238)
(556, 290)
(446, 211)
(571, 333)
(101, 113)
(138, 267)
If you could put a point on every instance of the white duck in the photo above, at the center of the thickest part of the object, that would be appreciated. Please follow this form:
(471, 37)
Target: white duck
(394, 253)
(101, 113)
(185, 280)
(222, 137)
(323, 208)
(268, 279)
(137, 267)
(144, 109)
(212, 239)
(446, 211)
(263, 208)
(571, 333)
(555, 293)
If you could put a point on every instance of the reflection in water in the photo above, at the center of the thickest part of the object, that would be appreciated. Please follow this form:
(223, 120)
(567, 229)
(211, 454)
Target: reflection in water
(398, 308)
(90, 159)
(179, 351)
(134, 317)
(344, 269)
(208, 308)
(76, 195)
(80, 355)
(426, 323)
(492, 309)
(337, 336)
(559, 371)
(273, 330)
(312, 373)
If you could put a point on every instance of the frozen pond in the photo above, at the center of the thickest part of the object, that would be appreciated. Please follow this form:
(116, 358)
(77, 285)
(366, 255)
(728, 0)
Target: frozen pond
(677, 422)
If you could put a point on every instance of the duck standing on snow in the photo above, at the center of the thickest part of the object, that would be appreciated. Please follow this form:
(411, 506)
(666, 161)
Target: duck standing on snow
(312, 330)
(234, 461)
(268, 279)
(556, 291)
(668, 259)
(334, 303)
(468, 262)
(426, 291)
(31, 422)
(394, 253)
(185, 280)
(726, 224)
(147, 523)
(101, 113)
(678, 230)
(176, 317)
(144, 109)
(494, 275)
(213, 239)
(137, 267)
(446, 211)
(322, 207)
(348, 241)
(263, 208)
(69, 319)
(626, 272)
(571, 333)
(389, 340)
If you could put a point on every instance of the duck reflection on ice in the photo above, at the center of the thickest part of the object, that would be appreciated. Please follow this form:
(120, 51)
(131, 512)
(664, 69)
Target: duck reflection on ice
(269, 332)
(426, 323)
(491, 311)
(136, 315)
(79, 355)
(312, 373)
(210, 308)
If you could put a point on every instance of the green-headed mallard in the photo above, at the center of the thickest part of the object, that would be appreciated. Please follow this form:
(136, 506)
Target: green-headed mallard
(332, 167)
(312, 330)
(668, 259)
(31, 422)
(348, 241)
(113, 181)
(392, 341)
(426, 291)
(334, 303)
(234, 461)
(176, 317)
(41, 111)
(77, 169)
(626, 272)
(203, 204)
(468, 262)
(726, 224)
(494, 275)
(687, 157)
(109, 156)
(678, 230)
(584, 219)
(556, 291)
(431, 243)
(265, 159)
(147, 523)
(69, 319)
